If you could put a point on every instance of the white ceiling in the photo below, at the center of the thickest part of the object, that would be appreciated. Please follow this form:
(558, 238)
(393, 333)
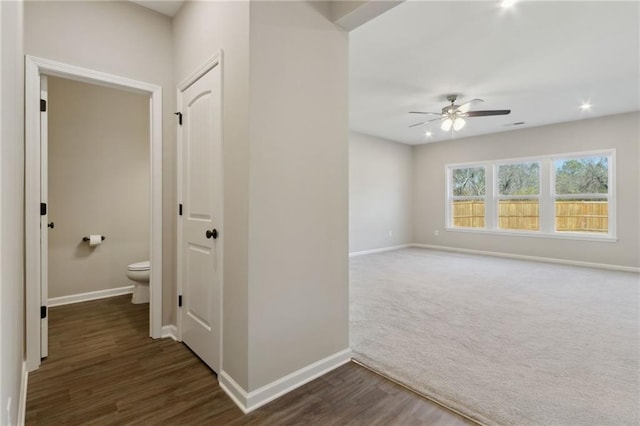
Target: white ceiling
(166, 7)
(539, 59)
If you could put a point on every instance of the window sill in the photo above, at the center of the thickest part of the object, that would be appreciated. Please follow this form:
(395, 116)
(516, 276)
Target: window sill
(533, 234)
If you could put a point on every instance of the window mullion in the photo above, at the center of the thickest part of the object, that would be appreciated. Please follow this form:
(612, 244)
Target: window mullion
(547, 204)
(490, 201)
(611, 197)
(448, 199)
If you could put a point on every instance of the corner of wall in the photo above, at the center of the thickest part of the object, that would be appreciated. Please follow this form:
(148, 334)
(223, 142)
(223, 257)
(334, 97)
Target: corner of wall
(12, 363)
(250, 401)
(22, 402)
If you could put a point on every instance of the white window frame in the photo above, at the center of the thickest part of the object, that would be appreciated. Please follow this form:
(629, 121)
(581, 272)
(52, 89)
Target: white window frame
(611, 215)
(497, 197)
(450, 198)
(547, 197)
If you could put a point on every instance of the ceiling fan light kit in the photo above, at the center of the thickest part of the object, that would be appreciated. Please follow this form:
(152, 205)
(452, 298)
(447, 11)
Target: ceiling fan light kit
(452, 116)
(458, 123)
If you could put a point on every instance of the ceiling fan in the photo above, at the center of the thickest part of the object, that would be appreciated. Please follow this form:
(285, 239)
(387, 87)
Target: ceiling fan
(453, 115)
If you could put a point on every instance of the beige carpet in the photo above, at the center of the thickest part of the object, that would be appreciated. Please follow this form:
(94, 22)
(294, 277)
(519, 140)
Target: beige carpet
(503, 341)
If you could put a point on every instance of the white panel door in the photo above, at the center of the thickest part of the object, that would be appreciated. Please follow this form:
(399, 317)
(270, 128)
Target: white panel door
(201, 221)
(44, 221)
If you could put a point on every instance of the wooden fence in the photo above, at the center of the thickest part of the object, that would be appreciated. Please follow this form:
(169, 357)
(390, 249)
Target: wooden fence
(571, 216)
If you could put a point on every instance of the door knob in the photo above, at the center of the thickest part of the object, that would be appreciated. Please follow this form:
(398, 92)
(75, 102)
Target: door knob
(212, 234)
(51, 225)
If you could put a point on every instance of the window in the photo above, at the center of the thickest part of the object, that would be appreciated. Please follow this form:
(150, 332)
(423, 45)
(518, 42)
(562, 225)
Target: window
(582, 194)
(468, 197)
(518, 196)
(568, 195)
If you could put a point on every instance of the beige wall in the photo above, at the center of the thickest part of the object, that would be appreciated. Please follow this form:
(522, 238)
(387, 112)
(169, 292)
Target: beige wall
(98, 184)
(298, 223)
(620, 132)
(128, 40)
(285, 179)
(11, 209)
(312, 280)
(201, 29)
(380, 193)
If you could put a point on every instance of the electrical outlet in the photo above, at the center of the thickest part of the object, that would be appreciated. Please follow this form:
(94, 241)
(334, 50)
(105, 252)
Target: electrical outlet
(436, 232)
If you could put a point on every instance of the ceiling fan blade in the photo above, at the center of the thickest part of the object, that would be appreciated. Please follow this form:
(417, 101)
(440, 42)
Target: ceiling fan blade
(418, 124)
(487, 113)
(465, 106)
(422, 112)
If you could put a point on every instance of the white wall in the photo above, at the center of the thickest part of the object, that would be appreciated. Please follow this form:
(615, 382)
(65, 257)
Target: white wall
(380, 193)
(285, 179)
(11, 209)
(298, 223)
(98, 184)
(201, 29)
(128, 40)
(620, 132)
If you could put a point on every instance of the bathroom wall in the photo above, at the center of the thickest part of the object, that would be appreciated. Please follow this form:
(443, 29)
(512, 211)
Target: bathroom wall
(98, 184)
(128, 40)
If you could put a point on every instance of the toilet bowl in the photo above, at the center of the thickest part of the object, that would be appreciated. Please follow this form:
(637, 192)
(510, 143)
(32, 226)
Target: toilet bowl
(140, 273)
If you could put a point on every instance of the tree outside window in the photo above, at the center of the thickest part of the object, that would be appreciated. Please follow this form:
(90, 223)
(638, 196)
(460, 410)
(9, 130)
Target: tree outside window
(518, 196)
(468, 190)
(582, 194)
(568, 195)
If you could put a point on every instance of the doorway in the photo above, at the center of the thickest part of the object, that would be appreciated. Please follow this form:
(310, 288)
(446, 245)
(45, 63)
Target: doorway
(97, 183)
(200, 233)
(36, 218)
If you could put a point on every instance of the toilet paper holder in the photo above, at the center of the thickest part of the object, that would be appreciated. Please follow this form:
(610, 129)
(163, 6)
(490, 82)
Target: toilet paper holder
(87, 238)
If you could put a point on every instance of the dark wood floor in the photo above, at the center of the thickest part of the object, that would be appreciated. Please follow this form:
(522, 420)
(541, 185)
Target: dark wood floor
(103, 369)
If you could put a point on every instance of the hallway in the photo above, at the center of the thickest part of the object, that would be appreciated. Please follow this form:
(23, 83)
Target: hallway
(104, 369)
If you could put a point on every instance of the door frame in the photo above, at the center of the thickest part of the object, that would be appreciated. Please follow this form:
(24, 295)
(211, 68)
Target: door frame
(34, 68)
(214, 61)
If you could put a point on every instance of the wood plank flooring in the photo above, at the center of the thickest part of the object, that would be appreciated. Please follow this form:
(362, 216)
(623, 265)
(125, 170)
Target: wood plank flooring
(103, 369)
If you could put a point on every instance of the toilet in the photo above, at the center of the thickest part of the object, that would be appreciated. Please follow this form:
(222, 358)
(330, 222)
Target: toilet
(139, 272)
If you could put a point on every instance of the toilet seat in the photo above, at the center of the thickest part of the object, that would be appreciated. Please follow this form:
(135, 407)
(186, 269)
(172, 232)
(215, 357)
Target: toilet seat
(140, 266)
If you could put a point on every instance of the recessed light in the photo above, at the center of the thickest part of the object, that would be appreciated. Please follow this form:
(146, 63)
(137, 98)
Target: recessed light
(428, 133)
(586, 106)
(506, 4)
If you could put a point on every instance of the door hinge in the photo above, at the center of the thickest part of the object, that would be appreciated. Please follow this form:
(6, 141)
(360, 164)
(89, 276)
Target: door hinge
(179, 114)
(43, 312)
(43, 105)
(179, 301)
(180, 209)
(43, 209)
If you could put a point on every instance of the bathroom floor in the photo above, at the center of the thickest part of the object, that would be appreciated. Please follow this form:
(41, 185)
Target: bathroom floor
(103, 369)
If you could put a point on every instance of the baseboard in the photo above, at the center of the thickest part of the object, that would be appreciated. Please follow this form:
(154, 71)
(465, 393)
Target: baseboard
(531, 258)
(378, 250)
(22, 402)
(234, 391)
(92, 295)
(170, 331)
(259, 397)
